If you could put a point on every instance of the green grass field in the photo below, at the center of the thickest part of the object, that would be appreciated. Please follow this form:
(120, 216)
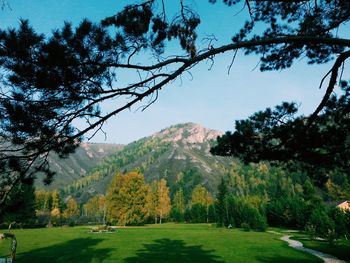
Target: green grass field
(173, 243)
(340, 250)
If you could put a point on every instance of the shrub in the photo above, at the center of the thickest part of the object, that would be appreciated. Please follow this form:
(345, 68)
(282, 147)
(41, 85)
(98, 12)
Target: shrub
(245, 227)
(324, 225)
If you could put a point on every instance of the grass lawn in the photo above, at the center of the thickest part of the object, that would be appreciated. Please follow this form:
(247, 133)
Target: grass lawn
(341, 250)
(173, 243)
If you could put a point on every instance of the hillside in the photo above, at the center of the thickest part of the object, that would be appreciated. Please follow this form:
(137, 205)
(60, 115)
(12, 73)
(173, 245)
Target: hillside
(78, 164)
(180, 154)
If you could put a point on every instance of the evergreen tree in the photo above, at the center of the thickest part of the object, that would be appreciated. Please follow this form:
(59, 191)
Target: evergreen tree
(221, 205)
(19, 207)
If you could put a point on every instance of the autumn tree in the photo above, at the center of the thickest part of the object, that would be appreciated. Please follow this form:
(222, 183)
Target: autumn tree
(55, 216)
(72, 211)
(202, 197)
(56, 200)
(164, 206)
(48, 82)
(152, 201)
(43, 200)
(95, 207)
(55, 208)
(43, 206)
(127, 199)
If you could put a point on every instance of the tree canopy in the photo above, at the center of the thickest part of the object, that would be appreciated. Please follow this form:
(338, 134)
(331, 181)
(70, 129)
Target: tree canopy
(280, 135)
(48, 82)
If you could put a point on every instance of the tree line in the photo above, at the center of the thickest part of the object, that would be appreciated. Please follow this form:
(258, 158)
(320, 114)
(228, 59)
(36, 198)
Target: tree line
(252, 196)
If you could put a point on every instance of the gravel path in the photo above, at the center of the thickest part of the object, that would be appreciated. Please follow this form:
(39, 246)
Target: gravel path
(298, 245)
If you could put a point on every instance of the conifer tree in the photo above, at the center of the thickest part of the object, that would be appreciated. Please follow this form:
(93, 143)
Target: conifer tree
(220, 204)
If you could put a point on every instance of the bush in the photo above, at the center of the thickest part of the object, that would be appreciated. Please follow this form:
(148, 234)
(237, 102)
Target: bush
(288, 212)
(324, 225)
(176, 215)
(245, 227)
(242, 212)
(311, 230)
(260, 222)
(198, 213)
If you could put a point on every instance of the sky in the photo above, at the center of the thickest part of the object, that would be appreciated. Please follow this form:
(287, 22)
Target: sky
(212, 98)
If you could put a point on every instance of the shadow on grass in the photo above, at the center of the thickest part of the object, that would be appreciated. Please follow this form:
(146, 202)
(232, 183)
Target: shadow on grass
(171, 251)
(274, 259)
(76, 250)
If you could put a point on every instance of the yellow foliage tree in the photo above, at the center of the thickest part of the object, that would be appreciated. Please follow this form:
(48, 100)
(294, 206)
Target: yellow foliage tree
(200, 195)
(72, 210)
(43, 201)
(55, 216)
(55, 199)
(152, 201)
(164, 205)
(96, 207)
(127, 199)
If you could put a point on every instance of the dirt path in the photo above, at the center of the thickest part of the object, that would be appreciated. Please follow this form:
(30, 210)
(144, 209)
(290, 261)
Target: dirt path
(298, 245)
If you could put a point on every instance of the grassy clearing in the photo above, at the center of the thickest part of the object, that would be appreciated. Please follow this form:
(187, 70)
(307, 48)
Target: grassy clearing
(166, 243)
(341, 250)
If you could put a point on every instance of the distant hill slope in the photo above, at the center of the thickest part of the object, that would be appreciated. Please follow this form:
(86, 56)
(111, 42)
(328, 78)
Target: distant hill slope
(78, 164)
(180, 154)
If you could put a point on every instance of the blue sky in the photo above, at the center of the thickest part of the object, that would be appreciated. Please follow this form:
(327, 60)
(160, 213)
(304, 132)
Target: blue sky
(213, 98)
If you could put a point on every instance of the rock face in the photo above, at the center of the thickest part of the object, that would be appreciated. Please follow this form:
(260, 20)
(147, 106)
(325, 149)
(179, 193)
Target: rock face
(180, 154)
(188, 133)
(86, 157)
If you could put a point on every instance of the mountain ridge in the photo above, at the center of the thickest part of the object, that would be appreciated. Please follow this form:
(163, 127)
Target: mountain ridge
(179, 153)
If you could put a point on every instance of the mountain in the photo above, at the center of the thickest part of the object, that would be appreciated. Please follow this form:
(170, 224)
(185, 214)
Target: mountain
(180, 154)
(78, 164)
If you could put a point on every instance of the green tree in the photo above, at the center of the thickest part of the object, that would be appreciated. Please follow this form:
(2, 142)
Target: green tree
(179, 205)
(323, 224)
(221, 205)
(179, 201)
(298, 141)
(19, 207)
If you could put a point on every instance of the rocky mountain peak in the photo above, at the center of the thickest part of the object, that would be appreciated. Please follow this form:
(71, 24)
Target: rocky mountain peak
(188, 133)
